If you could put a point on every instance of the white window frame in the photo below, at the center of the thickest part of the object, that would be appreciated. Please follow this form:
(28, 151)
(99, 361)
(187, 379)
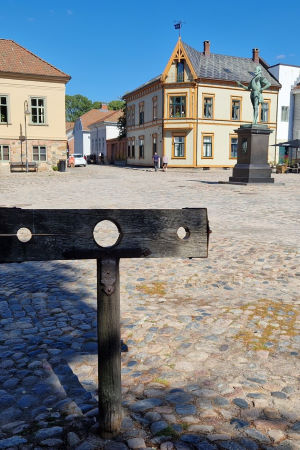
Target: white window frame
(45, 110)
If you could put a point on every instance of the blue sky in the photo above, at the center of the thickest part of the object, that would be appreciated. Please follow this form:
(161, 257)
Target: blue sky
(112, 47)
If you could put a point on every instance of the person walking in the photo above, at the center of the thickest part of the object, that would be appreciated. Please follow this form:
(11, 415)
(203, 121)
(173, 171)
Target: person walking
(165, 163)
(156, 161)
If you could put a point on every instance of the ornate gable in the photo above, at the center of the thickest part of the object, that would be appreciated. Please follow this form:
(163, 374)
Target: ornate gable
(179, 55)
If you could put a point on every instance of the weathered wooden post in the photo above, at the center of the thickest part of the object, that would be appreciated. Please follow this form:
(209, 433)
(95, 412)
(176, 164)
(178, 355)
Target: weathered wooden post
(109, 351)
(43, 235)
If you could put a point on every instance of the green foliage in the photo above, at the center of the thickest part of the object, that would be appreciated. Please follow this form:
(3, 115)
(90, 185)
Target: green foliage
(97, 105)
(122, 123)
(78, 104)
(116, 105)
(55, 168)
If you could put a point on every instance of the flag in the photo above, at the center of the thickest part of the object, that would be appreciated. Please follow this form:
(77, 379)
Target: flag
(177, 26)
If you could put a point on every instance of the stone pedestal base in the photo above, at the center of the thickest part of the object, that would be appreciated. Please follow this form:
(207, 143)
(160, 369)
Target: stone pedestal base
(252, 156)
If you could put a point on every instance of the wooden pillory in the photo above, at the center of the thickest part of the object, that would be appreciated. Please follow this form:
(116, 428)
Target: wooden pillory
(56, 234)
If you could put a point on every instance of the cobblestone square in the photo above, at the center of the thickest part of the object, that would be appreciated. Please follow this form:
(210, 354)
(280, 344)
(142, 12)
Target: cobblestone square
(213, 344)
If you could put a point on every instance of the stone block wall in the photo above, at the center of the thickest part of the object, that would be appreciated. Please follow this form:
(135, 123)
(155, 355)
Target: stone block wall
(55, 150)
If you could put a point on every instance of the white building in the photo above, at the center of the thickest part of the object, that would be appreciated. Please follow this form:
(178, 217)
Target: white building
(82, 132)
(288, 76)
(101, 130)
(296, 127)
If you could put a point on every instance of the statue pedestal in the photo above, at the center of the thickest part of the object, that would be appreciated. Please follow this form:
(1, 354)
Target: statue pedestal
(252, 155)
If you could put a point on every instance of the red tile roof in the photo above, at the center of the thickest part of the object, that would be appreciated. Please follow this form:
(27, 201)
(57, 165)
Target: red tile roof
(96, 115)
(109, 116)
(15, 59)
(69, 125)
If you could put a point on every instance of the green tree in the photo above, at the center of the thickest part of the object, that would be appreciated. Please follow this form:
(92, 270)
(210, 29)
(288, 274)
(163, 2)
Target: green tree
(115, 105)
(78, 104)
(122, 125)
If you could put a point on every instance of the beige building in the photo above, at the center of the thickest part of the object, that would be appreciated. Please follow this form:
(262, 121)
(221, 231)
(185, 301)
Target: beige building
(191, 111)
(30, 84)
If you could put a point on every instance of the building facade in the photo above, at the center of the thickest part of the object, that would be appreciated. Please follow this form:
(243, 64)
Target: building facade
(288, 76)
(33, 90)
(296, 124)
(191, 112)
(116, 151)
(102, 130)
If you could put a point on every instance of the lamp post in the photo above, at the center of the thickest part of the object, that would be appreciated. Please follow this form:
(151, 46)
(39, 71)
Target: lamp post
(22, 139)
(26, 113)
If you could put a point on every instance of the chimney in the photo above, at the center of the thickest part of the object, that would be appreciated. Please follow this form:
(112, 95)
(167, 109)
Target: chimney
(206, 48)
(255, 55)
(104, 107)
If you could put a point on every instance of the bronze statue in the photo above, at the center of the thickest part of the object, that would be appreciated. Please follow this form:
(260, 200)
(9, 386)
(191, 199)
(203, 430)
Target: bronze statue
(256, 86)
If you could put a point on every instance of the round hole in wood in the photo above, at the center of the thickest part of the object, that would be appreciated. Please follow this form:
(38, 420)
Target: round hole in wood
(24, 234)
(106, 234)
(183, 233)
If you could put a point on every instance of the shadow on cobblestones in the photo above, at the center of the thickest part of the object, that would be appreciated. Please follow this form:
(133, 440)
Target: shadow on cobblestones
(48, 377)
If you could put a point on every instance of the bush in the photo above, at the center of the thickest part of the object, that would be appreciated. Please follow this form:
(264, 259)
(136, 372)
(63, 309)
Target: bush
(55, 168)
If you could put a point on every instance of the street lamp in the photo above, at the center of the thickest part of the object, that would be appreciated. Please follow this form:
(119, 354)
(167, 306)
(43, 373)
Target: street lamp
(26, 113)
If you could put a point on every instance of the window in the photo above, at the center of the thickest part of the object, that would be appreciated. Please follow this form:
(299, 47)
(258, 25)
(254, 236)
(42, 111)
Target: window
(180, 71)
(4, 153)
(207, 146)
(141, 147)
(284, 114)
(38, 110)
(208, 107)
(233, 147)
(154, 143)
(178, 146)
(128, 150)
(264, 112)
(39, 153)
(3, 109)
(235, 109)
(133, 148)
(141, 113)
(177, 106)
(130, 115)
(154, 109)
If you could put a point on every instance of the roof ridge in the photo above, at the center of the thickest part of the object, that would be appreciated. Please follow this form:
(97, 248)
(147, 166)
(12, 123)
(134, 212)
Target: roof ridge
(36, 56)
(218, 54)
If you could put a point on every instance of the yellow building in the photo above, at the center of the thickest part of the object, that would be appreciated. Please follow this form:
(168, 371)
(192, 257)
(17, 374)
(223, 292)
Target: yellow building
(191, 111)
(33, 89)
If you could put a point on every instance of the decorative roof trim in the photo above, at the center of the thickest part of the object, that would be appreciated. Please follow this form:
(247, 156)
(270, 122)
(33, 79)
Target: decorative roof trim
(178, 53)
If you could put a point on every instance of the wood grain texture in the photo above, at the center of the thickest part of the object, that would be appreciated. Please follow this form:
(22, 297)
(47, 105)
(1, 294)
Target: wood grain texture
(109, 348)
(68, 234)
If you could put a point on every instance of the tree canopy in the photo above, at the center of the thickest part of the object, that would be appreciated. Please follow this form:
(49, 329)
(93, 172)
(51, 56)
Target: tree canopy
(116, 105)
(122, 125)
(78, 104)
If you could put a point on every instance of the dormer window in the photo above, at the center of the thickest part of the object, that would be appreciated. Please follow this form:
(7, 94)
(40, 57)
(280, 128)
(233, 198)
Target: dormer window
(180, 71)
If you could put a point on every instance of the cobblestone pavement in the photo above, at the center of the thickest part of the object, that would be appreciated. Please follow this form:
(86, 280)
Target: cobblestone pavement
(214, 345)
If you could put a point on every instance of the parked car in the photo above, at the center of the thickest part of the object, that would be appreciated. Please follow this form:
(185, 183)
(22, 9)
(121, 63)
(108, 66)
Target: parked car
(79, 160)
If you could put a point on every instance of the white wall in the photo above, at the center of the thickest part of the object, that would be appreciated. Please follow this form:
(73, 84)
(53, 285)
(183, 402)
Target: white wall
(99, 134)
(288, 77)
(296, 129)
(86, 143)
